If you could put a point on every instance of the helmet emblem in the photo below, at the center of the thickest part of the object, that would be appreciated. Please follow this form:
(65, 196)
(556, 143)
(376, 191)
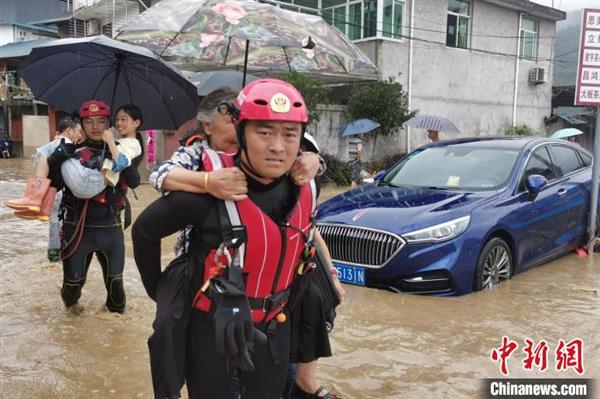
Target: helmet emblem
(93, 108)
(280, 103)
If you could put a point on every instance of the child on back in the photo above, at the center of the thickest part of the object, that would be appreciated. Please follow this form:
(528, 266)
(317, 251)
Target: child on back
(39, 194)
(128, 120)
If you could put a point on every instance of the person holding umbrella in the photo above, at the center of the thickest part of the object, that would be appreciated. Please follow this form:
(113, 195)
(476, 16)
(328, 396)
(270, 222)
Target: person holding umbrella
(433, 135)
(433, 124)
(569, 134)
(357, 129)
(128, 120)
(356, 153)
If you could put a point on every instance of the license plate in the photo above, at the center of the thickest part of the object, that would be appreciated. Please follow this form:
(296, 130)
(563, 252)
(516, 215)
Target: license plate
(351, 274)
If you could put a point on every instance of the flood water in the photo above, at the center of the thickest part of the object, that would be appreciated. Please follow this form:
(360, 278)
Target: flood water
(386, 345)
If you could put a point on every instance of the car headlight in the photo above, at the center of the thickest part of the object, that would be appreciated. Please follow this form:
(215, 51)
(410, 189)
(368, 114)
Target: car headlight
(439, 232)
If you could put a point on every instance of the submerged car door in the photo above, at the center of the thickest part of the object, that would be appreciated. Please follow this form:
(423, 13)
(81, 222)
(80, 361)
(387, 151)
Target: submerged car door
(537, 223)
(573, 175)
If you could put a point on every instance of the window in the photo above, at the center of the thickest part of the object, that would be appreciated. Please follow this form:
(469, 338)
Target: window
(339, 18)
(529, 33)
(358, 19)
(539, 164)
(354, 21)
(370, 18)
(465, 168)
(393, 11)
(459, 16)
(587, 159)
(565, 159)
(303, 6)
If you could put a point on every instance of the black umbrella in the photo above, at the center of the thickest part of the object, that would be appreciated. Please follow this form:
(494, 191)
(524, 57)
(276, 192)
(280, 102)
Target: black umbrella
(67, 72)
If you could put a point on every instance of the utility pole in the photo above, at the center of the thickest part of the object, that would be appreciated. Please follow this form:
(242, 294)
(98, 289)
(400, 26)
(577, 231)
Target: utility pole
(592, 225)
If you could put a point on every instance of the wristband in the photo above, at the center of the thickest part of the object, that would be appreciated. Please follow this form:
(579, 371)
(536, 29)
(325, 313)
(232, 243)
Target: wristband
(206, 181)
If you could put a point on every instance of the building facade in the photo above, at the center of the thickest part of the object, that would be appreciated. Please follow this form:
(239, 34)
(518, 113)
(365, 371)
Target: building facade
(484, 64)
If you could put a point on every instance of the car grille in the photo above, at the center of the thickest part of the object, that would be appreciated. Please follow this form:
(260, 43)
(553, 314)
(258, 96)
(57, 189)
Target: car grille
(359, 245)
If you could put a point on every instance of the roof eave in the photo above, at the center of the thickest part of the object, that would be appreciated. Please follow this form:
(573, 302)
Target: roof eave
(530, 8)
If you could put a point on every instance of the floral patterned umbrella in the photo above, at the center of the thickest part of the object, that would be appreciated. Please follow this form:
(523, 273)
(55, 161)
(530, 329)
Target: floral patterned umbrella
(202, 34)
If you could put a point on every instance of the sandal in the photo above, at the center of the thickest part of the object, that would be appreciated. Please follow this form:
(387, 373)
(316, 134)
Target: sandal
(297, 393)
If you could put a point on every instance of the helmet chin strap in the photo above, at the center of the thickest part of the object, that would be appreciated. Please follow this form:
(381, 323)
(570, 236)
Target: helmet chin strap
(247, 166)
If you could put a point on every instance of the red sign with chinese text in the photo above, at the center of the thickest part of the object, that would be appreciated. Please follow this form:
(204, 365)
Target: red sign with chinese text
(588, 72)
(568, 355)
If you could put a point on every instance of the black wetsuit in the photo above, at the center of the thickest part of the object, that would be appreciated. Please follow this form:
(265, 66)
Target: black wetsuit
(206, 373)
(100, 233)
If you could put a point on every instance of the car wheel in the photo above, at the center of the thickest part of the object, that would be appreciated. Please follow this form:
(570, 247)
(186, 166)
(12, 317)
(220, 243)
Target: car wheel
(494, 265)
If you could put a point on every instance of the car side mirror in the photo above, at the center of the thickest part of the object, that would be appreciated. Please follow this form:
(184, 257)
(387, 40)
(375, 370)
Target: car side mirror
(535, 184)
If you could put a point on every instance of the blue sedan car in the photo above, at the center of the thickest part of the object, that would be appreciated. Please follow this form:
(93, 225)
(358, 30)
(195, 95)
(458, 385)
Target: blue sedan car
(461, 215)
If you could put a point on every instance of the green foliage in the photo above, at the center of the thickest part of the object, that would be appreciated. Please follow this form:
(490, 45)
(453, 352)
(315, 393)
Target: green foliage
(377, 165)
(337, 171)
(384, 102)
(314, 92)
(522, 130)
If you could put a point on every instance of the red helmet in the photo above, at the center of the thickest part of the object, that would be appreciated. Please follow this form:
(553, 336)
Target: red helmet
(271, 100)
(94, 108)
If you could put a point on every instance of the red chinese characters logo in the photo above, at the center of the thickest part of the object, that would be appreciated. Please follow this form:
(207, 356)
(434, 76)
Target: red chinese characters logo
(568, 355)
(503, 353)
(536, 355)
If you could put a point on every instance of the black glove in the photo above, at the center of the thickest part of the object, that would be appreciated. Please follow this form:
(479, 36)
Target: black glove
(63, 152)
(235, 334)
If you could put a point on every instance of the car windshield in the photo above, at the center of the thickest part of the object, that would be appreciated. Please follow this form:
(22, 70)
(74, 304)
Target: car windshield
(455, 168)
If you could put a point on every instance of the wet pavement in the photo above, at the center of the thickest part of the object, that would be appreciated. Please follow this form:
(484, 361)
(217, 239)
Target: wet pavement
(386, 345)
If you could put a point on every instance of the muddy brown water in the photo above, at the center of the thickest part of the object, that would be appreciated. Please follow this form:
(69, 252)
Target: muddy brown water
(386, 345)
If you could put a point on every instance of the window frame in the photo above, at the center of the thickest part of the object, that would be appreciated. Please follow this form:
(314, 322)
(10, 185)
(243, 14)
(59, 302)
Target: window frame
(556, 166)
(522, 182)
(394, 34)
(378, 19)
(458, 16)
(581, 154)
(522, 32)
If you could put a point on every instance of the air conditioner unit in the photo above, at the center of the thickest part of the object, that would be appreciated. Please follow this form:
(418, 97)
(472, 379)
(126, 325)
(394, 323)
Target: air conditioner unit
(537, 75)
(92, 27)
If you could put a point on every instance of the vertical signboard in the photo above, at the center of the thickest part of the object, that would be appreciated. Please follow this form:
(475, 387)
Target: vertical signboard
(587, 92)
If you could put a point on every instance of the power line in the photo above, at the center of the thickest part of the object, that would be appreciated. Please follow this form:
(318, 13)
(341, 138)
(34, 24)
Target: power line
(472, 34)
(443, 44)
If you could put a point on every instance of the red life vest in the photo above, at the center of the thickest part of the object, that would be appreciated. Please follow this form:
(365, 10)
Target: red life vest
(272, 251)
